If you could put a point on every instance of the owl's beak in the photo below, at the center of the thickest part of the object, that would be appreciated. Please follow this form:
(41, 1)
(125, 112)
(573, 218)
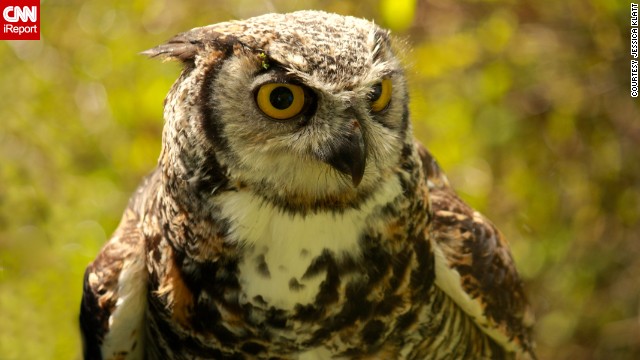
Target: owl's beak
(349, 155)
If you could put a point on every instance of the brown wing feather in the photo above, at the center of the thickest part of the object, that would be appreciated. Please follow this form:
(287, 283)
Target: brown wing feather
(102, 277)
(474, 249)
(100, 292)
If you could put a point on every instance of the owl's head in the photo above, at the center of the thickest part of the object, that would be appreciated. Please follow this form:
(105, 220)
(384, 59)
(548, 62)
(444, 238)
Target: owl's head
(306, 109)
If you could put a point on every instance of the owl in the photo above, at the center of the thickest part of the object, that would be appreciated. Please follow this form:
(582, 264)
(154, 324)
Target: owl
(292, 215)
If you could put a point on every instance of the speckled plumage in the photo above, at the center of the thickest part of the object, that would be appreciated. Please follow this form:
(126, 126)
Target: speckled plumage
(332, 234)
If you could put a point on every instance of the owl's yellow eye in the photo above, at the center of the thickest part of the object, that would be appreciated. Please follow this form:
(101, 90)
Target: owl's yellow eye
(280, 101)
(380, 95)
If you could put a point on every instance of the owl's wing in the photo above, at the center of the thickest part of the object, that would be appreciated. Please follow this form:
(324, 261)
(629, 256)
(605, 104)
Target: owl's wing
(474, 265)
(114, 292)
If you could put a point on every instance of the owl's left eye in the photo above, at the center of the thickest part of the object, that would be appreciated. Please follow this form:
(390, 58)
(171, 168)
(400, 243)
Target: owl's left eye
(380, 95)
(280, 101)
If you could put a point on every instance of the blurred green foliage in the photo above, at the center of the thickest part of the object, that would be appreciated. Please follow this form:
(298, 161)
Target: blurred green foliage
(525, 103)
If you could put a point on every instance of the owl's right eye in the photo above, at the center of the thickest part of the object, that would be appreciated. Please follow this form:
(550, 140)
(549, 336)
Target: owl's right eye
(280, 101)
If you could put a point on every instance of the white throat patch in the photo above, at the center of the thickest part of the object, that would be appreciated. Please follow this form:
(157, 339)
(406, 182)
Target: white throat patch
(282, 246)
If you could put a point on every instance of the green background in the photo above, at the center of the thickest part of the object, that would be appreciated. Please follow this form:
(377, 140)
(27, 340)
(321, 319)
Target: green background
(525, 103)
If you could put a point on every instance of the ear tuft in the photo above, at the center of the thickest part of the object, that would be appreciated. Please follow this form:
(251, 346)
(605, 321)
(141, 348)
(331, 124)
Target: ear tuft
(185, 46)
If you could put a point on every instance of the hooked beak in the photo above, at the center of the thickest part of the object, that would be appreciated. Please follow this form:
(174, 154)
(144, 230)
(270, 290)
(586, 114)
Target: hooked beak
(349, 154)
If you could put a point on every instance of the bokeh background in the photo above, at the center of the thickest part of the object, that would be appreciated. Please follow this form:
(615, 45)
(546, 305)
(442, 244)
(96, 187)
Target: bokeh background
(525, 103)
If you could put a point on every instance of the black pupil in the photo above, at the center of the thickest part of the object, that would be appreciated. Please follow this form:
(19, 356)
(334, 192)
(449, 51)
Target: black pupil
(281, 98)
(376, 91)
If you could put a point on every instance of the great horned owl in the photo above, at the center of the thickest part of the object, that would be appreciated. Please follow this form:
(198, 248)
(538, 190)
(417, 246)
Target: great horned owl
(292, 215)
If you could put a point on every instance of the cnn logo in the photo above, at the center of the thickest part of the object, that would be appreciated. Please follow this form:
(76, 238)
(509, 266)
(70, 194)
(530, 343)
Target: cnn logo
(20, 20)
(16, 13)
